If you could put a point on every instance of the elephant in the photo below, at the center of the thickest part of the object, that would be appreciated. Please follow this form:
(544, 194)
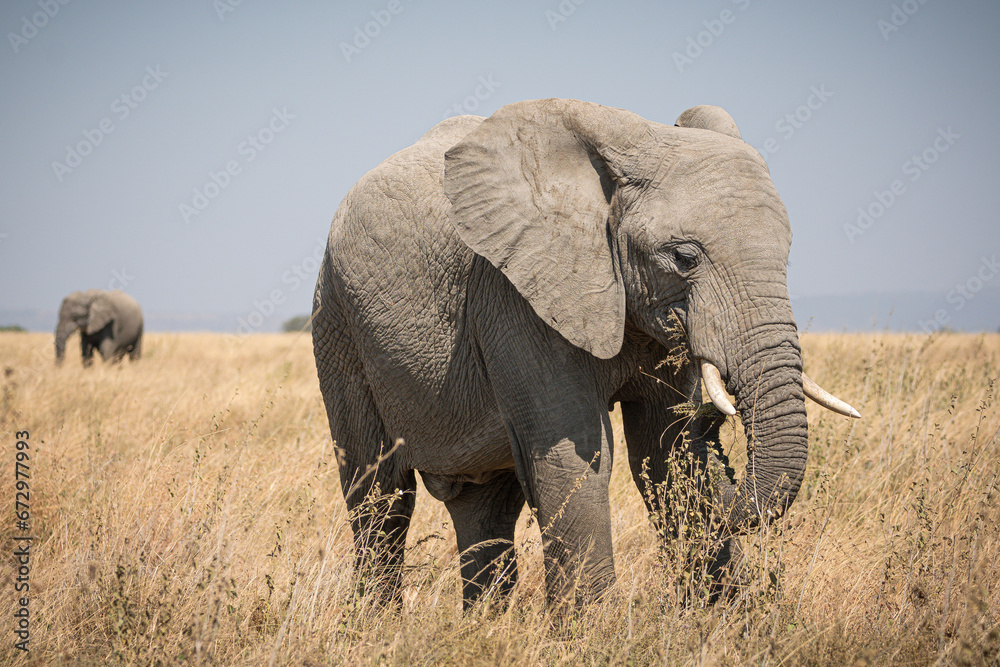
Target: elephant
(489, 293)
(110, 322)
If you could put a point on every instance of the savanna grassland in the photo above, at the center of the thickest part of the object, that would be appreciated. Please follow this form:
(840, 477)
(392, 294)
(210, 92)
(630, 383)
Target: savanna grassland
(186, 509)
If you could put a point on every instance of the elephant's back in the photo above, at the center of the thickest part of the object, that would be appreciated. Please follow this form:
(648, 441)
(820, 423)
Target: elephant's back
(402, 199)
(391, 245)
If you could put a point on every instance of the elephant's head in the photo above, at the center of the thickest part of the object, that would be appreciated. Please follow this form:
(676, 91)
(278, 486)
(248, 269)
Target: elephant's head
(90, 311)
(603, 220)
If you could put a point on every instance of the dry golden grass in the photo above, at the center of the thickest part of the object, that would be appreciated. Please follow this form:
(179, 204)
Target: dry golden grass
(187, 509)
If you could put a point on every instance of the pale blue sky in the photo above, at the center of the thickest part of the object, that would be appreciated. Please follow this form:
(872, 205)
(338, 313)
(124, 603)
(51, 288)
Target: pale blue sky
(199, 83)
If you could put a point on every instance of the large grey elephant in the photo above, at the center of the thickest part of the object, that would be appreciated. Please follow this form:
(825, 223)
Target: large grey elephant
(489, 293)
(110, 322)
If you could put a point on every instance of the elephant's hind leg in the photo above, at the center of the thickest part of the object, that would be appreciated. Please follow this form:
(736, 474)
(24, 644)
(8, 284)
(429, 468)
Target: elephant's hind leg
(484, 516)
(380, 500)
(379, 493)
(136, 350)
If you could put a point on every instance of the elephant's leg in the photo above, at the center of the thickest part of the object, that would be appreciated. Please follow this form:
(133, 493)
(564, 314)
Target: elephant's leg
(568, 482)
(86, 349)
(484, 516)
(380, 500)
(668, 448)
(550, 395)
(562, 447)
(136, 351)
(379, 493)
(109, 350)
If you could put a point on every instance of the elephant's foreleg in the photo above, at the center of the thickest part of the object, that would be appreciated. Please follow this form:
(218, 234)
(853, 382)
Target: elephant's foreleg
(550, 400)
(109, 350)
(566, 479)
(574, 515)
(484, 516)
(668, 448)
(136, 351)
(86, 349)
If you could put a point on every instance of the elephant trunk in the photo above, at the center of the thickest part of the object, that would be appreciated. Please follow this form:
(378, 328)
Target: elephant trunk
(771, 405)
(64, 329)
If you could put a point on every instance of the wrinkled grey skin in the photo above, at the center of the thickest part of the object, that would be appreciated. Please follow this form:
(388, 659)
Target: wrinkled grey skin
(109, 322)
(490, 292)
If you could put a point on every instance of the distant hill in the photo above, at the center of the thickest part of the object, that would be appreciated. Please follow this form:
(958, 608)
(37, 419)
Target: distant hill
(895, 311)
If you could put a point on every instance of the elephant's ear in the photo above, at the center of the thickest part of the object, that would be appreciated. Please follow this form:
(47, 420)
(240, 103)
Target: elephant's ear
(101, 313)
(531, 191)
(708, 117)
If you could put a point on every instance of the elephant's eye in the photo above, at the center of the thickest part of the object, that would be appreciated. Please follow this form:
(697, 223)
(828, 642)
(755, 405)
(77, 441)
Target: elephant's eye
(685, 258)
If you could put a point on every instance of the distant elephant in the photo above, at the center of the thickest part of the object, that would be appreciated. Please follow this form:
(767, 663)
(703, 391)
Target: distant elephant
(489, 293)
(110, 322)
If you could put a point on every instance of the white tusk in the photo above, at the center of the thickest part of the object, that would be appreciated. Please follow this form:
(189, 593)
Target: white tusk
(716, 390)
(826, 399)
